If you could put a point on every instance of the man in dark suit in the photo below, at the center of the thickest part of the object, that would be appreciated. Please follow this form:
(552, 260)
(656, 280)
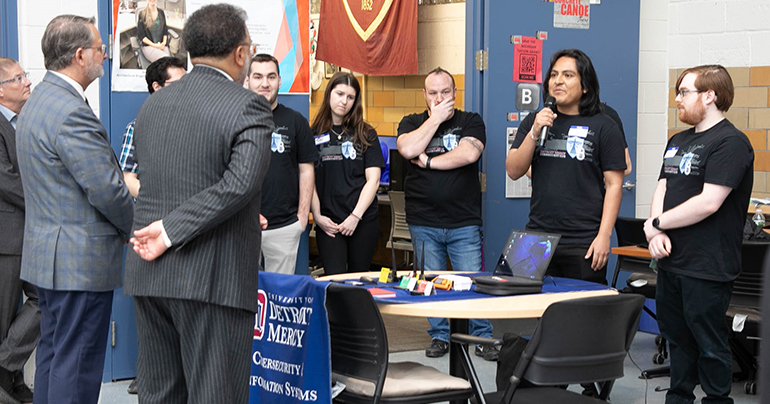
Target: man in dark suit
(19, 329)
(78, 214)
(203, 149)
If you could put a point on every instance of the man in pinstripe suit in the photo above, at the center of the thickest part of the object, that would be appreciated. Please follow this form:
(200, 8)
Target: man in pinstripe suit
(203, 149)
(78, 214)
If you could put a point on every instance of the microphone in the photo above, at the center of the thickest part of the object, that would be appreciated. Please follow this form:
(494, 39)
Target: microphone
(550, 102)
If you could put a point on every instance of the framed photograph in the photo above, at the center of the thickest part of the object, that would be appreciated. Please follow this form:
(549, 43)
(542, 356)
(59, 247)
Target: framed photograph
(330, 69)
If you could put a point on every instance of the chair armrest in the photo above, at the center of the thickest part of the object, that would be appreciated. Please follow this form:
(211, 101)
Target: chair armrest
(134, 42)
(173, 33)
(470, 339)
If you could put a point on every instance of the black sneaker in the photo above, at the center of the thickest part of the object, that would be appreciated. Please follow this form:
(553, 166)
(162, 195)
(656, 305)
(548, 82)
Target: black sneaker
(22, 393)
(437, 349)
(488, 352)
(132, 387)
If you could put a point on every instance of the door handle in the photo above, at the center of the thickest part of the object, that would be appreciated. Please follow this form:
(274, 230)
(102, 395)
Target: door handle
(628, 185)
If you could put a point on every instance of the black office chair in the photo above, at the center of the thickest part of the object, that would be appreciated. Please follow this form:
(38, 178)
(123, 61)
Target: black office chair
(359, 350)
(746, 301)
(643, 281)
(576, 341)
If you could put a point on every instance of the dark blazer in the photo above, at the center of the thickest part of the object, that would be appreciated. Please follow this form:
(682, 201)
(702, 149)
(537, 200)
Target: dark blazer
(78, 210)
(11, 192)
(203, 148)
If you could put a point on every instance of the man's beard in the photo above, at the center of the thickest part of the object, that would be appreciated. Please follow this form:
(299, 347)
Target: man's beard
(694, 115)
(94, 70)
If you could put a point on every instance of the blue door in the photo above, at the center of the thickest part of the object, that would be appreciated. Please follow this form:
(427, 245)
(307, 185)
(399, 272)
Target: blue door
(612, 42)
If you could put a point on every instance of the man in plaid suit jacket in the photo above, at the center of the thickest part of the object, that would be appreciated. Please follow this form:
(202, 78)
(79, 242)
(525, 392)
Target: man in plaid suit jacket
(78, 214)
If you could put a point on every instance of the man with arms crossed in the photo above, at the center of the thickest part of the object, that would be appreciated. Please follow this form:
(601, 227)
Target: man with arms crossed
(695, 230)
(78, 214)
(202, 146)
(19, 328)
(443, 193)
(289, 183)
(159, 74)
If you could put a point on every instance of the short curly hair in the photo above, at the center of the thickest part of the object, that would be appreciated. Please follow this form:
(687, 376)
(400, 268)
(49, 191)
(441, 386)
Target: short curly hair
(215, 30)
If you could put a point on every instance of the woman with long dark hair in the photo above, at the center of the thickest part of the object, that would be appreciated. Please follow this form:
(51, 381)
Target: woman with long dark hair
(347, 176)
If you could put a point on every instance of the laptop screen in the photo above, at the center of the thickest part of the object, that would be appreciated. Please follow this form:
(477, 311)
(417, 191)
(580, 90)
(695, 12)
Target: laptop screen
(527, 254)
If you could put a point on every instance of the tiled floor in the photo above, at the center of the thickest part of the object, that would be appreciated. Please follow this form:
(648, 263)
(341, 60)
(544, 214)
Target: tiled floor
(628, 390)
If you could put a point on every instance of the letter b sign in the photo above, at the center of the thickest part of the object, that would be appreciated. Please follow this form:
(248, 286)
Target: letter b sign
(527, 97)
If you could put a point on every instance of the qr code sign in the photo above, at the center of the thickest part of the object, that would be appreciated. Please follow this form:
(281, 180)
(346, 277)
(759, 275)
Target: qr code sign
(527, 67)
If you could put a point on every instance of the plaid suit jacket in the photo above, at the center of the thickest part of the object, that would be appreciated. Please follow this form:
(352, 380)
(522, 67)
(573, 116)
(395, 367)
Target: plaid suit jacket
(78, 210)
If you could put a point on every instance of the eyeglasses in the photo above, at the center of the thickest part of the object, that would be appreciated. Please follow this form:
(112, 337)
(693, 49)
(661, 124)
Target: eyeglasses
(20, 78)
(102, 48)
(684, 93)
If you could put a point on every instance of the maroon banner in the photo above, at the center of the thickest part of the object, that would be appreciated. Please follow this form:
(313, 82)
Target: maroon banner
(377, 37)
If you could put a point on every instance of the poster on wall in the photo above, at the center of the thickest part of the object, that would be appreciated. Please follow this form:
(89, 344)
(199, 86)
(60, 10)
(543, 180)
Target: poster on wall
(521, 188)
(574, 14)
(277, 27)
(527, 59)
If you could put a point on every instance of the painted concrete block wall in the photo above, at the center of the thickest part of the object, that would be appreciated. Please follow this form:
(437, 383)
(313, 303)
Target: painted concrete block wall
(34, 15)
(733, 33)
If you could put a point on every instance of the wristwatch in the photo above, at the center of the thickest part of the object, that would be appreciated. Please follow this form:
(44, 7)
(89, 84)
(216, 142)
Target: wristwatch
(427, 162)
(656, 224)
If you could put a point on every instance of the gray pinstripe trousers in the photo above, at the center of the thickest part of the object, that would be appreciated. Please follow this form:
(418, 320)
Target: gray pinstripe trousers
(192, 352)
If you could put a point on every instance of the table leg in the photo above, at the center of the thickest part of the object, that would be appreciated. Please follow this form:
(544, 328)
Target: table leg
(457, 325)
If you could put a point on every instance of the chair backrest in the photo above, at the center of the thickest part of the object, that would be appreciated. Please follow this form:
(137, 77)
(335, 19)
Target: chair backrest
(630, 231)
(747, 287)
(581, 341)
(399, 230)
(359, 345)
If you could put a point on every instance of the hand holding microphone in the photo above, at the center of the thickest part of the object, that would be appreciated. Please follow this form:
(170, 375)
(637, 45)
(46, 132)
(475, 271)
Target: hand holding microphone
(546, 118)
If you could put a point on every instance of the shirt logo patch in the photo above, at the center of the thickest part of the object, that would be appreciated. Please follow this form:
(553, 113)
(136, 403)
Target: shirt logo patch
(276, 145)
(449, 141)
(685, 165)
(575, 147)
(348, 151)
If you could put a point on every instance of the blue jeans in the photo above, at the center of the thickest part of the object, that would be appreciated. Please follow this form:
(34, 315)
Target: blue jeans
(463, 245)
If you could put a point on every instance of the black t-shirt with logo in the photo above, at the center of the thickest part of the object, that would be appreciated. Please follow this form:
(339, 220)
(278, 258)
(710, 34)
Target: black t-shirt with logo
(568, 174)
(444, 198)
(291, 144)
(340, 173)
(721, 155)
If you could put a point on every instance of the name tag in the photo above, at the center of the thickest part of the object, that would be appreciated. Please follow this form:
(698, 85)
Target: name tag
(578, 131)
(322, 139)
(671, 152)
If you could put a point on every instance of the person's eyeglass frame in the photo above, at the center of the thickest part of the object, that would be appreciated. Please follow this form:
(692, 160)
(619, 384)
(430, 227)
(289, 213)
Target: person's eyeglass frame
(102, 49)
(683, 93)
(20, 78)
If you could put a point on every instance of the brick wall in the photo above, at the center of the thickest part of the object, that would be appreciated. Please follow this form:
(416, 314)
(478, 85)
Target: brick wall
(390, 98)
(750, 113)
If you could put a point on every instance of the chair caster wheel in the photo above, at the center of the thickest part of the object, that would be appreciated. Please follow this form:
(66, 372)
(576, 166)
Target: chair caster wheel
(658, 359)
(750, 388)
(658, 340)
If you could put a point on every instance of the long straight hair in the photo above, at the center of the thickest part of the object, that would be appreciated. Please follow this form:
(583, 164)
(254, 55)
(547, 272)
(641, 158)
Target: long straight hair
(353, 123)
(146, 16)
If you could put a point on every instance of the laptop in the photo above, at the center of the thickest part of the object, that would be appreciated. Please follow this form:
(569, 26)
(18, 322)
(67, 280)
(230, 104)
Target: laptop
(521, 266)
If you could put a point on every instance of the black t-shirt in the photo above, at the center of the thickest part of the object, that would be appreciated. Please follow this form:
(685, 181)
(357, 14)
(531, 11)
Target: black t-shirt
(444, 198)
(568, 174)
(610, 112)
(340, 173)
(721, 155)
(291, 144)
